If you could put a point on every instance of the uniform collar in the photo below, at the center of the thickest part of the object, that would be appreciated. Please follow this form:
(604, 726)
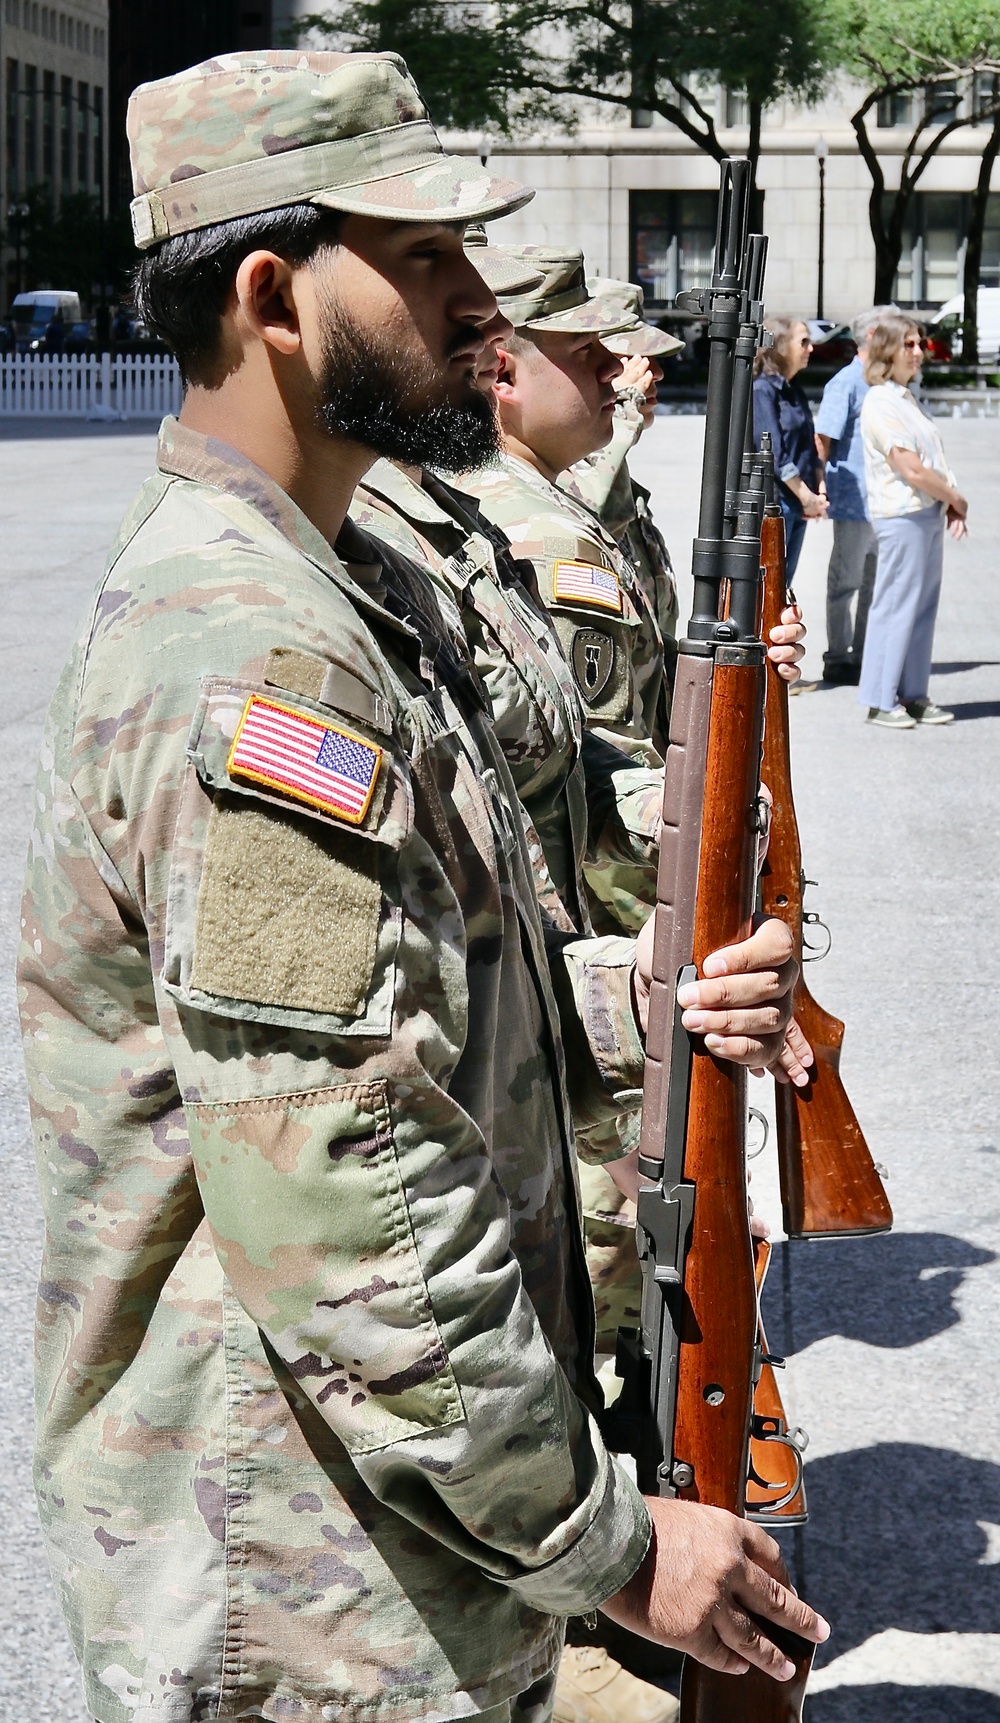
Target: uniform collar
(564, 501)
(354, 563)
(406, 495)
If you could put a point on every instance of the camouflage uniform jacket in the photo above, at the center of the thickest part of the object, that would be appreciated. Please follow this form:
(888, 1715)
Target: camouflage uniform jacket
(314, 1330)
(592, 818)
(533, 698)
(604, 483)
(608, 631)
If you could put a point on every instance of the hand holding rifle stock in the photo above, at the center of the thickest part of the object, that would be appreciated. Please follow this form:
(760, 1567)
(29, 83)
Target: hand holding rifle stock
(713, 1583)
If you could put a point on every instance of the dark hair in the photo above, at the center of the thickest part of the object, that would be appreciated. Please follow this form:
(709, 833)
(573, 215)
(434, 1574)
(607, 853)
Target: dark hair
(181, 287)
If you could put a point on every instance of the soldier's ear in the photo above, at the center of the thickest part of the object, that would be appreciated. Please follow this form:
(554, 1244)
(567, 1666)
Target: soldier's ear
(506, 378)
(266, 287)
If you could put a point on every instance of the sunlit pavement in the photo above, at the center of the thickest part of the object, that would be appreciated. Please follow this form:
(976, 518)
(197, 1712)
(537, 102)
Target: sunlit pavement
(893, 1343)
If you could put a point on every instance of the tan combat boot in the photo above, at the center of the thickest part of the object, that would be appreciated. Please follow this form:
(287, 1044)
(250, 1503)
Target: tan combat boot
(593, 1688)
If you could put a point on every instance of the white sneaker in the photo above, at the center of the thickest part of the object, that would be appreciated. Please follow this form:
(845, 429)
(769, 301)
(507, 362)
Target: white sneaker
(897, 719)
(924, 711)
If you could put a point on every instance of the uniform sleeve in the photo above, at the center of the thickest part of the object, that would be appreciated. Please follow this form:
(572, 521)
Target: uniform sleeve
(314, 991)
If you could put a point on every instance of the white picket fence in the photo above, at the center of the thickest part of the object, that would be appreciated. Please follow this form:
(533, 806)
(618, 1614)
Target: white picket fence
(88, 386)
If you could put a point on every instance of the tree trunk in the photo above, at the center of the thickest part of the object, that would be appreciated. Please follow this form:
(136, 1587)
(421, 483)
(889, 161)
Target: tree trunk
(974, 249)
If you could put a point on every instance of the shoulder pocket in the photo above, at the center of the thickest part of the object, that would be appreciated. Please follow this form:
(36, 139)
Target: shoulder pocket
(283, 903)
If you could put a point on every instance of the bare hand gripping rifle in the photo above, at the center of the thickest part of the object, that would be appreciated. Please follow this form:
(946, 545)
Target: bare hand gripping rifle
(686, 1408)
(830, 1186)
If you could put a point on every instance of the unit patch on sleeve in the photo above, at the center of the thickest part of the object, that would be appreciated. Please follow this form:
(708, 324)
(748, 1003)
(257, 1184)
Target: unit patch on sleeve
(317, 763)
(593, 656)
(585, 583)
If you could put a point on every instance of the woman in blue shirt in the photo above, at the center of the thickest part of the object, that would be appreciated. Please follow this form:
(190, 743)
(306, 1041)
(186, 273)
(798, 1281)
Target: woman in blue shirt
(780, 407)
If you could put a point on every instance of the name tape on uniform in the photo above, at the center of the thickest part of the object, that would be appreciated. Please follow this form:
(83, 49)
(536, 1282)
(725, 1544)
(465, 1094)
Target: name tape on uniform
(317, 763)
(585, 583)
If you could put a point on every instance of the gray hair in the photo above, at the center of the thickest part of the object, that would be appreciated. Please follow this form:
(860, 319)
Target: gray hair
(864, 323)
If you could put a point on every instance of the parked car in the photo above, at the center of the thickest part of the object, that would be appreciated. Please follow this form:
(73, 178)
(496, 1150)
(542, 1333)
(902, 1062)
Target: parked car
(947, 324)
(32, 313)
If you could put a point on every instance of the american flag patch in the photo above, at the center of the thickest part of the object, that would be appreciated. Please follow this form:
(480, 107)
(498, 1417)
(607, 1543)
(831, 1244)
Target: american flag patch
(584, 583)
(305, 758)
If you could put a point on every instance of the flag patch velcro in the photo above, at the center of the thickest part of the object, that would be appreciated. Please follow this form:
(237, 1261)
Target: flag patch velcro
(585, 583)
(303, 757)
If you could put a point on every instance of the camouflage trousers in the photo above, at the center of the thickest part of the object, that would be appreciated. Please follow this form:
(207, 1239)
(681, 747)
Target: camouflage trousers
(534, 1705)
(609, 1231)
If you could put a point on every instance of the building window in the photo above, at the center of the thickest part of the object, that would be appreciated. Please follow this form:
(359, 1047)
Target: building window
(673, 241)
(30, 125)
(82, 133)
(942, 102)
(985, 95)
(13, 153)
(66, 134)
(98, 141)
(62, 29)
(932, 263)
(896, 110)
(735, 108)
(49, 127)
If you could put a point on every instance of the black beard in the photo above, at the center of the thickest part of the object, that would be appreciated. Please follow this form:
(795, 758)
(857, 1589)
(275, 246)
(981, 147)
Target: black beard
(369, 395)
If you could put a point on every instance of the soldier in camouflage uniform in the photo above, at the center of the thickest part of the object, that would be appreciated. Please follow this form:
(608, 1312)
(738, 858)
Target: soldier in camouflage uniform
(602, 479)
(604, 614)
(315, 1395)
(604, 621)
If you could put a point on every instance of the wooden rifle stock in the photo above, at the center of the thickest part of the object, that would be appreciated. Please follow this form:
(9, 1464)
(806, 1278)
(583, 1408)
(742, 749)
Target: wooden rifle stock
(775, 1488)
(692, 1369)
(829, 1184)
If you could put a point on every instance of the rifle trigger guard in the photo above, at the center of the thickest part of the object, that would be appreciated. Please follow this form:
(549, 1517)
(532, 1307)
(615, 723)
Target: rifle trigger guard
(772, 1430)
(811, 918)
(755, 1113)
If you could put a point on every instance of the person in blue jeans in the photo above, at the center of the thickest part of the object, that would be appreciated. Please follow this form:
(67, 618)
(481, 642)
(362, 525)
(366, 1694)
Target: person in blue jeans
(855, 546)
(780, 407)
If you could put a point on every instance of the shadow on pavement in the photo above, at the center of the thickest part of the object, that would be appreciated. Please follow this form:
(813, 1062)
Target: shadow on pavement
(890, 1704)
(895, 1540)
(894, 1290)
(975, 709)
(964, 664)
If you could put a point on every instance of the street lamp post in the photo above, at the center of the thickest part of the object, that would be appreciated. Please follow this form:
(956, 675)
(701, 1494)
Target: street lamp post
(821, 150)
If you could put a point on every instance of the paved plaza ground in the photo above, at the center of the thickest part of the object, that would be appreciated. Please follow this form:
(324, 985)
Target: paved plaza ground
(893, 1343)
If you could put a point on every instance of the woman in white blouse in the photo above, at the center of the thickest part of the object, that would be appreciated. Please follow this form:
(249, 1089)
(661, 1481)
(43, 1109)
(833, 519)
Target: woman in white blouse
(912, 494)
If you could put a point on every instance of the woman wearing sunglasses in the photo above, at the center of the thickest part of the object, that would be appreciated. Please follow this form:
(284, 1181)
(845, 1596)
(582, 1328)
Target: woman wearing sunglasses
(780, 406)
(912, 496)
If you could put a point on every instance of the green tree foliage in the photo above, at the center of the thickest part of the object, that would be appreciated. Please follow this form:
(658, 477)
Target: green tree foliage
(520, 62)
(929, 51)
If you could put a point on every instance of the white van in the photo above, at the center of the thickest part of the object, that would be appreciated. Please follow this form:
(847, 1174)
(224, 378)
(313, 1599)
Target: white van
(31, 314)
(987, 317)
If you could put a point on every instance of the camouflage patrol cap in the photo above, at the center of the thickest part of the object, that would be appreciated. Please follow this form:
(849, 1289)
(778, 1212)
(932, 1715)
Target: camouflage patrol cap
(563, 302)
(244, 133)
(501, 268)
(639, 338)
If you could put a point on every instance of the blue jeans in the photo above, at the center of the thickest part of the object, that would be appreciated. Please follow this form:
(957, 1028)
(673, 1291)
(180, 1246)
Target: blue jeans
(795, 532)
(900, 635)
